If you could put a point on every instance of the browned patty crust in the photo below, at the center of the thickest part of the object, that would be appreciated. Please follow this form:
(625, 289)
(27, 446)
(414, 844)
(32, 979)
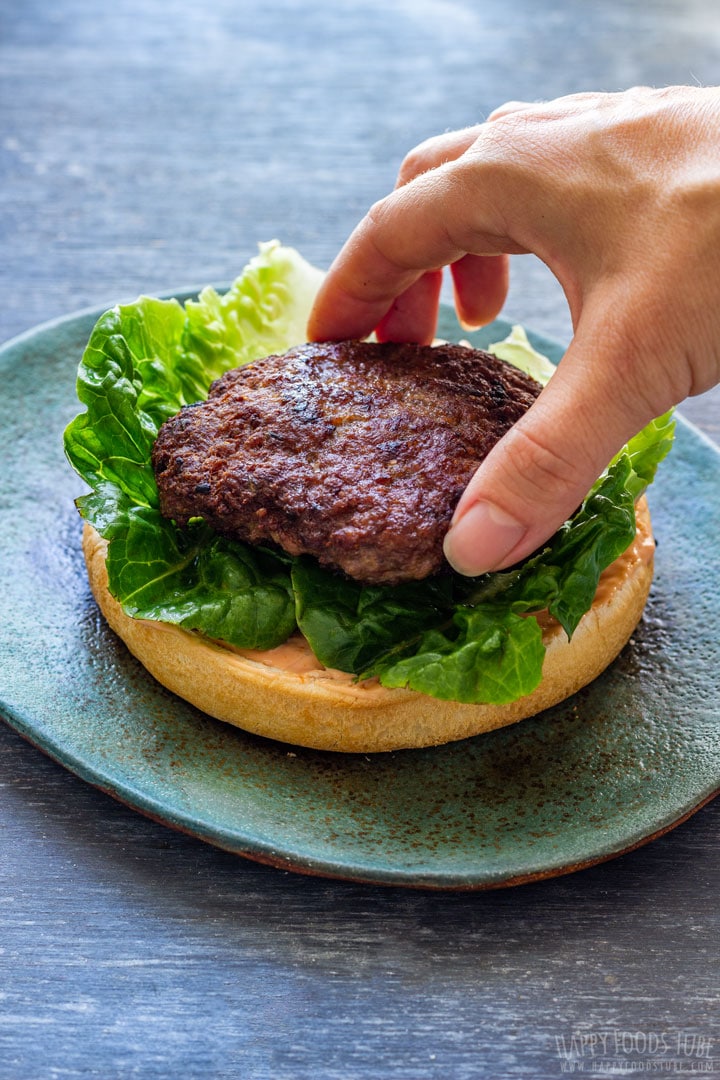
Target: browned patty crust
(356, 453)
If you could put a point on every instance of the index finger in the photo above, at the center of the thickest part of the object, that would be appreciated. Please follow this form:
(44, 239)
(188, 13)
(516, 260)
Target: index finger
(425, 225)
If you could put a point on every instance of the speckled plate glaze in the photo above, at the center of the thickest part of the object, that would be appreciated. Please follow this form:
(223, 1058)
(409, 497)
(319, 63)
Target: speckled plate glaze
(620, 763)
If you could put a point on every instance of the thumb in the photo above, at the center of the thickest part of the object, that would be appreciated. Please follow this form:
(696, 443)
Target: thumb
(536, 476)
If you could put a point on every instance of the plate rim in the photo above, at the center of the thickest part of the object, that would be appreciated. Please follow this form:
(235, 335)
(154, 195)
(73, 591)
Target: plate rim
(259, 850)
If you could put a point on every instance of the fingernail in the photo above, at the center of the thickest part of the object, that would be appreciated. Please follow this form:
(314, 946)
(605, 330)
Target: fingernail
(481, 539)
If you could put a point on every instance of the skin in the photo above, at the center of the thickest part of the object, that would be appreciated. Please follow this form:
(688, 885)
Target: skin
(619, 194)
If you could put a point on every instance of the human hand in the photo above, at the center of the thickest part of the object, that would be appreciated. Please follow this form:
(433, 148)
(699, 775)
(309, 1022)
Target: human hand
(619, 194)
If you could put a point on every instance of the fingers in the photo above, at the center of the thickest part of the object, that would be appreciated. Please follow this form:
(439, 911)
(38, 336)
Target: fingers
(485, 190)
(434, 152)
(413, 316)
(359, 289)
(582, 182)
(481, 287)
(507, 108)
(539, 473)
(397, 299)
(427, 224)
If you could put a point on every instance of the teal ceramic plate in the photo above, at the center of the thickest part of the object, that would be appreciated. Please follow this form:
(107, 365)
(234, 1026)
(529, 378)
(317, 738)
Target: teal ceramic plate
(621, 762)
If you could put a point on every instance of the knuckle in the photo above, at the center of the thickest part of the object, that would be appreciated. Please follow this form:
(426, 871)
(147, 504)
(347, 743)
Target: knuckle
(378, 235)
(508, 107)
(513, 149)
(377, 211)
(413, 165)
(419, 160)
(379, 218)
(538, 463)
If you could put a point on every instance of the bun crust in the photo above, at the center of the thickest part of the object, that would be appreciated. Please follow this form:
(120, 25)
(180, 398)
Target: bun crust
(328, 711)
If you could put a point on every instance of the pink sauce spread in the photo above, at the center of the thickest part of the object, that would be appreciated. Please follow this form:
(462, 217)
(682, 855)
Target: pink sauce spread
(296, 656)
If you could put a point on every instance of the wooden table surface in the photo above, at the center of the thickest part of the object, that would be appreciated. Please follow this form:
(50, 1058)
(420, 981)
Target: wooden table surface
(147, 146)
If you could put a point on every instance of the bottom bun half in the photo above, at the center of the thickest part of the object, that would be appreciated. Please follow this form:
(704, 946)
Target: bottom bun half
(286, 694)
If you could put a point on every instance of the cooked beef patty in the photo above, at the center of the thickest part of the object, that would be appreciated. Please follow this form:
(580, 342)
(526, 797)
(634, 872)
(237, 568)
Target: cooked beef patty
(353, 452)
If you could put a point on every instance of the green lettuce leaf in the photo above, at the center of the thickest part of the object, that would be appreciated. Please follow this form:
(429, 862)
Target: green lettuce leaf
(646, 450)
(348, 625)
(431, 638)
(143, 362)
(450, 637)
(487, 654)
(199, 580)
(515, 349)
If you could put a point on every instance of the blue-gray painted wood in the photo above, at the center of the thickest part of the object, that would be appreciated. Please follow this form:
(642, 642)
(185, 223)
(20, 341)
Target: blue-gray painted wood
(146, 146)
